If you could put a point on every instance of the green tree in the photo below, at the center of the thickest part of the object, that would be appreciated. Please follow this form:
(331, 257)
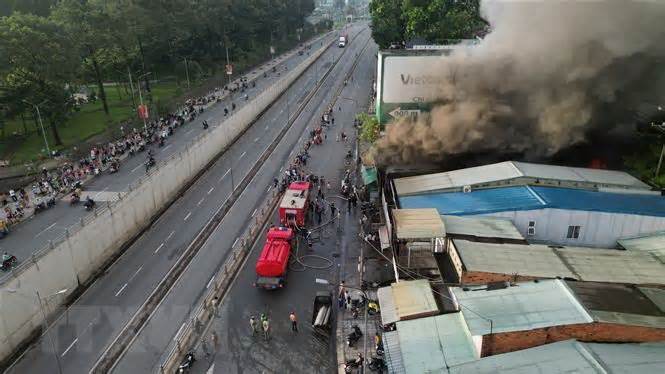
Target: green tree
(35, 61)
(437, 21)
(387, 22)
(86, 24)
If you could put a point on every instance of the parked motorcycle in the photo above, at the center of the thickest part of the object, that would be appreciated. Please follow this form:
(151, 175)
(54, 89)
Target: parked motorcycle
(353, 337)
(377, 364)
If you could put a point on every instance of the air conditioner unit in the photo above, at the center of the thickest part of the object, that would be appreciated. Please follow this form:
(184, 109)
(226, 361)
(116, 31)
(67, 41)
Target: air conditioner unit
(466, 189)
(531, 231)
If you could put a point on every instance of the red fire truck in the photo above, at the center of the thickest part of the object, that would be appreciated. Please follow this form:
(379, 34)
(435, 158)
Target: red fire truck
(294, 205)
(273, 262)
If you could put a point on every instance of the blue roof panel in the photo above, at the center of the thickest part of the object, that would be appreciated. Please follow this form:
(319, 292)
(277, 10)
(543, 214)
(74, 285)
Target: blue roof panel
(566, 198)
(476, 202)
(515, 198)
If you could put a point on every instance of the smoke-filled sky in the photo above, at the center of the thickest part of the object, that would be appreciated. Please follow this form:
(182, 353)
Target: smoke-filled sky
(547, 73)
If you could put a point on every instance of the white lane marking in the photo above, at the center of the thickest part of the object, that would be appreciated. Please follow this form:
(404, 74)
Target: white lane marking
(256, 140)
(46, 229)
(235, 242)
(187, 216)
(242, 155)
(133, 170)
(135, 273)
(170, 235)
(210, 282)
(120, 290)
(188, 131)
(68, 348)
(254, 212)
(200, 202)
(222, 177)
(266, 127)
(158, 248)
(209, 119)
(165, 148)
(180, 329)
(210, 190)
(97, 194)
(269, 188)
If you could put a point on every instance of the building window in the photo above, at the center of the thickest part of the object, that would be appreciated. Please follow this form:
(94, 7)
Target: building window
(531, 230)
(573, 232)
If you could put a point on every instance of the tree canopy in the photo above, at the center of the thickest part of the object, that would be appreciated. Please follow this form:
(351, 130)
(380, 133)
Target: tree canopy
(50, 47)
(437, 21)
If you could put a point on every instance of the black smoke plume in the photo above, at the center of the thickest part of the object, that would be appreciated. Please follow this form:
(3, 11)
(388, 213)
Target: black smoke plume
(547, 74)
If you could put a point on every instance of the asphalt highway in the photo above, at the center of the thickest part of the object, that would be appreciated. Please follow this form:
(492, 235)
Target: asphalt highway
(91, 323)
(305, 352)
(285, 353)
(35, 233)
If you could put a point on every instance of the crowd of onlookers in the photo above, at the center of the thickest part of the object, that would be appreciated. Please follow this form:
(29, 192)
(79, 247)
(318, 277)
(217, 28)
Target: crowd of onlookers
(101, 158)
(106, 157)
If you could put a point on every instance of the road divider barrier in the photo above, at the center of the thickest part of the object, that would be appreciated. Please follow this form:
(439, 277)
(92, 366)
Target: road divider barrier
(190, 332)
(75, 260)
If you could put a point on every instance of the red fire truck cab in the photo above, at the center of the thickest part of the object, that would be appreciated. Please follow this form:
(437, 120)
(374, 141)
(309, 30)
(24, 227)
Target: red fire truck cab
(294, 205)
(273, 262)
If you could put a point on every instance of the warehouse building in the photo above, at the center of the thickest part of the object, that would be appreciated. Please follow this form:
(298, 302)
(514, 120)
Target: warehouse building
(571, 356)
(530, 314)
(548, 204)
(514, 173)
(481, 263)
(499, 318)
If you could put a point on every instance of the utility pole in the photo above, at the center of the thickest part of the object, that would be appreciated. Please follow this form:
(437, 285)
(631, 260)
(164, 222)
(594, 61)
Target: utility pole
(187, 72)
(41, 124)
(226, 46)
(145, 124)
(41, 307)
(131, 86)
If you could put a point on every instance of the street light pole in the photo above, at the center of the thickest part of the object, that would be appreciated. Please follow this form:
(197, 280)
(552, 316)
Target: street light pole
(41, 124)
(145, 124)
(50, 338)
(187, 72)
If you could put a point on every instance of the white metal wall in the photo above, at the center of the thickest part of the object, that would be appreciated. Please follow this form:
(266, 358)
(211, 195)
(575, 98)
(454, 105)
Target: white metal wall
(598, 229)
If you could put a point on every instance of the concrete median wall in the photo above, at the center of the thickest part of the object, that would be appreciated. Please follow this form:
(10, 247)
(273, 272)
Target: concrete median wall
(76, 258)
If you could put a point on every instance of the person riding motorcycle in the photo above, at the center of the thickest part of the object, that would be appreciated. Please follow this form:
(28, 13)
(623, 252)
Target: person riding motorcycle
(89, 202)
(7, 260)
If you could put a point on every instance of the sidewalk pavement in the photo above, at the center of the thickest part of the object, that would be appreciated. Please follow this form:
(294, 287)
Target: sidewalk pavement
(368, 324)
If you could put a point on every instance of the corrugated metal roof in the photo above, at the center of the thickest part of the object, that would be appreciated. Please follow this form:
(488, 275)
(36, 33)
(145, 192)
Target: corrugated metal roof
(630, 358)
(414, 299)
(597, 265)
(503, 199)
(431, 345)
(387, 304)
(620, 303)
(418, 223)
(570, 356)
(653, 243)
(527, 306)
(503, 172)
(392, 352)
(573, 174)
(481, 227)
(615, 266)
(485, 201)
(568, 198)
(456, 178)
(531, 260)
